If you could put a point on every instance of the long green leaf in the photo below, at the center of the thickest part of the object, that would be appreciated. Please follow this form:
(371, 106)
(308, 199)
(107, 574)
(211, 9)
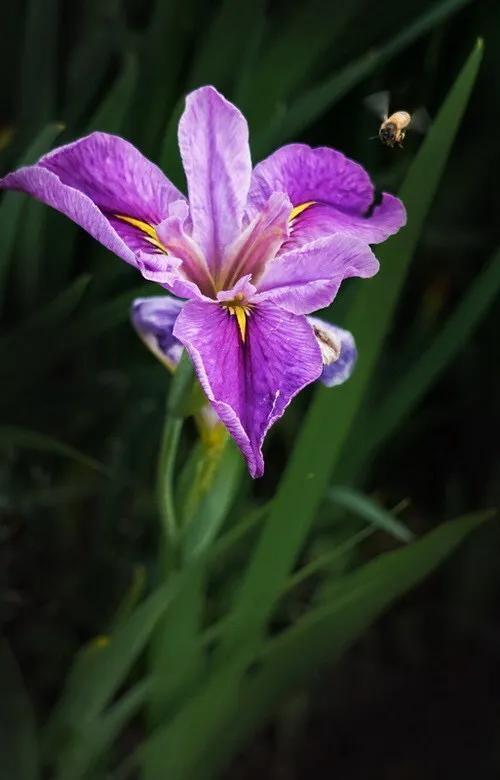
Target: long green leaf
(309, 30)
(21, 438)
(416, 381)
(110, 115)
(12, 203)
(37, 88)
(98, 736)
(330, 415)
(292, 659)
(223, 48)
(364, 507)
(101, 668)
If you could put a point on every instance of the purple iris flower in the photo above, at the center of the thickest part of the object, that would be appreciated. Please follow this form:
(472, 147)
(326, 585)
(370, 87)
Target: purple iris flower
(250, 252)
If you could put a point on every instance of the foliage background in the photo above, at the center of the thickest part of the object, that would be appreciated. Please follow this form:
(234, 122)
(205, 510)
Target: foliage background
(418, 696)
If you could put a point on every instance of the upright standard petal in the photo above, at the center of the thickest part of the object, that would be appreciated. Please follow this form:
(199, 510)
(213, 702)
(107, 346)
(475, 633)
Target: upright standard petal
(259, 242)
(213, 140)
(307, 279)
(249, 384)
(106, 186)
(154, 320)
(329, 194)
(338, 351)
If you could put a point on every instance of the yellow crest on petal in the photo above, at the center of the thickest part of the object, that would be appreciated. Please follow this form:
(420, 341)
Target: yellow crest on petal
(149, 231)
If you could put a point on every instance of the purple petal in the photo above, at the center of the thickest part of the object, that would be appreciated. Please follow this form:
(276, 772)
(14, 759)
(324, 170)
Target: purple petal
(307, 279)
(251, 384)
(93, 180)
(115, 175)
(213, 139)
(339, 189)
(338, 351)
(154, 320)
(259, 242)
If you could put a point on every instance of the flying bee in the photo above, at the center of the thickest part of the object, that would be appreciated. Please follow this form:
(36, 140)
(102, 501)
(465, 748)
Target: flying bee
(394, 126)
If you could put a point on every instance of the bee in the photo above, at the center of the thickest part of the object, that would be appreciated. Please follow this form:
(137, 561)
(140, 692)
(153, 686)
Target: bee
(394, 126)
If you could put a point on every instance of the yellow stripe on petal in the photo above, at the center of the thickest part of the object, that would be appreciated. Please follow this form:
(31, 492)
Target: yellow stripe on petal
(241, 318)
(299, 209)
(241, 313)
(149, 231)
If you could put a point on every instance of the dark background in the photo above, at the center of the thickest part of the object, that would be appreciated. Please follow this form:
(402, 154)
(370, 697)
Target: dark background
(419, 695)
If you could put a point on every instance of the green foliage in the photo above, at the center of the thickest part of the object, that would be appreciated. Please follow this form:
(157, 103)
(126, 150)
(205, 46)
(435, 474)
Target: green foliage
(18, 736)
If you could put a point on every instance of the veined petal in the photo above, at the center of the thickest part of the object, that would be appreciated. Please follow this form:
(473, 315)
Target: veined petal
(115, 175)
(329, 194)
(249, 384)
(106, 186)
(154, 320)
(213, 140)
(304, 280)
(338, 351)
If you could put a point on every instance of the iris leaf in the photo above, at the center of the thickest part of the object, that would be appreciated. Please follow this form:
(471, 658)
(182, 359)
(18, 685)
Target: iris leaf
(222, 53)
(310, 31)
(21, 438)
(416, 381)
(189, 746)
(37, 89)
(12, 203)
(369, 510)
(112, 112)
(323, 634)
(101, 668)
(96, 737)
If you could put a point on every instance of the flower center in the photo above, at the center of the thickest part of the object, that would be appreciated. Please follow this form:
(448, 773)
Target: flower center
(238, 308)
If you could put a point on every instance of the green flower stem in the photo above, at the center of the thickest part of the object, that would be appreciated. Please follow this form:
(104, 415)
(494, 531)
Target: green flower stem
(166, 465)
(175, 413)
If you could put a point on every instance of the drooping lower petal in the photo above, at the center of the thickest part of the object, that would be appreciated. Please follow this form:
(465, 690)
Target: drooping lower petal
(304, 280)
(106, 186)
(249, 384)
(213, 140)
(154, 319)
(338, 351)
(329, 193)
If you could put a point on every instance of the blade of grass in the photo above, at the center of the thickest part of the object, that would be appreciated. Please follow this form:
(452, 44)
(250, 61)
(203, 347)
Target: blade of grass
(293, 658)
(18, 735)
(169, 34)
(101, 668)
(111, 114)
(37, 87)
(97, 737)
(330, 415)
(12, 203)
(189, 747)
(310, 31)
(224, 45)
(20, 438)
(102, 34)
(416, 381)
(369, 510)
